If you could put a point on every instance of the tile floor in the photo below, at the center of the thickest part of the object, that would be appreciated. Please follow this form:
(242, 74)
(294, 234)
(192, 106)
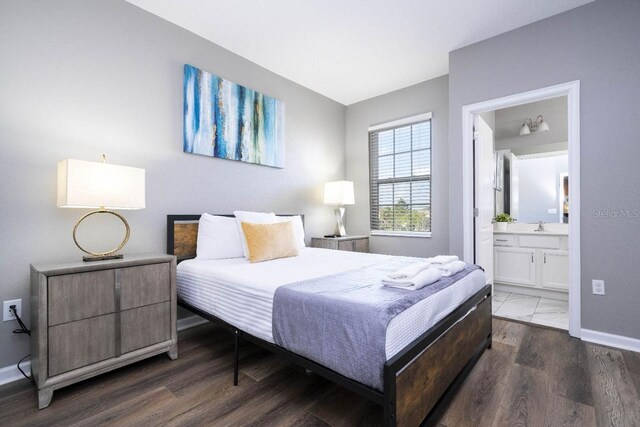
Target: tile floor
(541, 311)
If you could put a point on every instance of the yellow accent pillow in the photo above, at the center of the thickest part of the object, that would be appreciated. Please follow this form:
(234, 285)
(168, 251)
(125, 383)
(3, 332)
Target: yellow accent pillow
(270, 241)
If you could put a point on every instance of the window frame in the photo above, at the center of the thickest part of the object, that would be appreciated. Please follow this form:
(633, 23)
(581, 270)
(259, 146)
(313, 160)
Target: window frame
(407, 121)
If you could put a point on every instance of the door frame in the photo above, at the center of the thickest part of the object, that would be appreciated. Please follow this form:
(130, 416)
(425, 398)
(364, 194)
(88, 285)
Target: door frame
(572, 91)
(477, 148)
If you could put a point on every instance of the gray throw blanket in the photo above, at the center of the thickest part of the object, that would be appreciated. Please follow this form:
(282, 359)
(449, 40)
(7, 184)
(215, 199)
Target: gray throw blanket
(340, 321)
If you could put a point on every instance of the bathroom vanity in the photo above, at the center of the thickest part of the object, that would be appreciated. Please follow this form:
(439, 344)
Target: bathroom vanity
(532, 262)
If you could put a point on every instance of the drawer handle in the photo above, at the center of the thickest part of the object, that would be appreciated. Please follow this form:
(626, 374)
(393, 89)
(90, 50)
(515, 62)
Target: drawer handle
(501, 240)
(531, 257)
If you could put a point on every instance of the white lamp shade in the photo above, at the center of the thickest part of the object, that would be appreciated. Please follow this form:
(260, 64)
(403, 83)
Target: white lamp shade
(83, 184)
(524, 130)
(338, 193)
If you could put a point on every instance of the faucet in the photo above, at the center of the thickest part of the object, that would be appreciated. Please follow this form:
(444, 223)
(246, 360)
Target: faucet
(540, 226)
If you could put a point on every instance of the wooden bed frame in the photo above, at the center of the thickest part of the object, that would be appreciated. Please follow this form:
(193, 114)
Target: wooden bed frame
(419, 381)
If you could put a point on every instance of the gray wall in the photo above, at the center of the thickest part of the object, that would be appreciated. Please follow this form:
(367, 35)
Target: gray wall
(81, 78)
(509, 121)
(598, 45)
(428, 96)
(539, 188)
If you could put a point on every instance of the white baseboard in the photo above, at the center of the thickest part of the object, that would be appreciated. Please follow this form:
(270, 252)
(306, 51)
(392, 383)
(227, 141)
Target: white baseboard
(611, 340)
(11, 373)
(190, 322)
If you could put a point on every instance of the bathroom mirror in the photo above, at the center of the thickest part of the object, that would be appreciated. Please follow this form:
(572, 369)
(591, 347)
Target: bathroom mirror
(533, 187)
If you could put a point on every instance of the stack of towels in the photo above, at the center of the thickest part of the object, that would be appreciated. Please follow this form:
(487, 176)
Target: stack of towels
(420, 274)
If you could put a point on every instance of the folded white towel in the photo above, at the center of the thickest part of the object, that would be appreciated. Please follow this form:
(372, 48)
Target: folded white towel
(410, 270)
(419, 281)
(451, 268)
(443, 259)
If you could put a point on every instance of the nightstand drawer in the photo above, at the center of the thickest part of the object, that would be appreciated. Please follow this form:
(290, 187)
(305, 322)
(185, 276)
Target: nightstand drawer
(144, 285)
(361, 245)
(348, 245)
(79, 296)
(144, 326)
(77, 344)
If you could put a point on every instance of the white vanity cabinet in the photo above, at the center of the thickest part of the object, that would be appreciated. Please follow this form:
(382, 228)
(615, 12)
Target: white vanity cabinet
(555, 270)
(514, 265)
(532, 261)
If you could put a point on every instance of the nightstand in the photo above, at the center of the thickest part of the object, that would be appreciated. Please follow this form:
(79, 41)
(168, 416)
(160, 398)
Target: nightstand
(88, 318)
(347, 243)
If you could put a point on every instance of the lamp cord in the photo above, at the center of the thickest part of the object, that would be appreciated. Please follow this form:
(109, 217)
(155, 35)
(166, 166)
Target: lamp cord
(20, 369)
(22, 330)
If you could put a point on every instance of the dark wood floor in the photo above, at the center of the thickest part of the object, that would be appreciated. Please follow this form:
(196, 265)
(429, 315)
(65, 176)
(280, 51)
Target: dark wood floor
(531, 377)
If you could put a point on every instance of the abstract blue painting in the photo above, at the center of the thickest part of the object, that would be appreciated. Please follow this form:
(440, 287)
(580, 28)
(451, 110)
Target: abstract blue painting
(225, 120)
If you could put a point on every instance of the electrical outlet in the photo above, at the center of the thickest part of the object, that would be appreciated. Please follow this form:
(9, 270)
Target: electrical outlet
(8, 315)
(598, 287)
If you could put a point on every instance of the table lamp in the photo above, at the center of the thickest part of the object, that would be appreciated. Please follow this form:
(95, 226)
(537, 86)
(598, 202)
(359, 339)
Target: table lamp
(339, 194)
(104, 187)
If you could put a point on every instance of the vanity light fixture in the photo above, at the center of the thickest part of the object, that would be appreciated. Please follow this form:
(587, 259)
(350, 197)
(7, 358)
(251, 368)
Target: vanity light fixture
(538, 125)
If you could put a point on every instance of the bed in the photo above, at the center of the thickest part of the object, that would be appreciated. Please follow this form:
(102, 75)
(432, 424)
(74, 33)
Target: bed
(428, 349)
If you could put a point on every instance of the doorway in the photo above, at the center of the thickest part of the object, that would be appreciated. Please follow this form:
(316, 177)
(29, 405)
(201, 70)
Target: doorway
(476, 203)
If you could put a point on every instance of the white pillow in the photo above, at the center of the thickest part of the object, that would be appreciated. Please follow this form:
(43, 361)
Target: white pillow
(218, 238)
(298, 228)
(253, 218)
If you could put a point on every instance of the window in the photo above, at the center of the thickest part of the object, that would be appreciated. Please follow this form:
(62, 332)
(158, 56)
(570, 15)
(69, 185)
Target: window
(400, 177)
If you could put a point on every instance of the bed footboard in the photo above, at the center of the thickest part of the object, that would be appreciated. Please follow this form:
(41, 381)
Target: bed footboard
(419, 381)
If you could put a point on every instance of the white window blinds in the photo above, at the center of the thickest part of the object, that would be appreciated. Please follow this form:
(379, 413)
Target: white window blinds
(400, 176)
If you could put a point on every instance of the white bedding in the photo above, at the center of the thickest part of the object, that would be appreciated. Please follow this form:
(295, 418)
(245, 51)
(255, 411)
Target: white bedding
(241, 293)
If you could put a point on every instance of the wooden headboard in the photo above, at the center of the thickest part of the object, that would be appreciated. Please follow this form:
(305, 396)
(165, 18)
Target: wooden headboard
(182, 234)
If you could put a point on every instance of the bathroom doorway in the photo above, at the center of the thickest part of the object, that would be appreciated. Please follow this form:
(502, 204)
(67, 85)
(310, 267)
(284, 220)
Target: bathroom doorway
(521, 159)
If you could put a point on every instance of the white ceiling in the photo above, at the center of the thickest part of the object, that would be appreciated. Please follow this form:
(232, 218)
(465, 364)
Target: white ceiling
(351, 50)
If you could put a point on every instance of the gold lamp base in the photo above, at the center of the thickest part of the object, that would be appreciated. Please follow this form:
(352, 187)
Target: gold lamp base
(102, 256)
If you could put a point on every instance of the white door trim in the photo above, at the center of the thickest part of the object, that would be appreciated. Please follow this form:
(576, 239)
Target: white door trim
(572, 91)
